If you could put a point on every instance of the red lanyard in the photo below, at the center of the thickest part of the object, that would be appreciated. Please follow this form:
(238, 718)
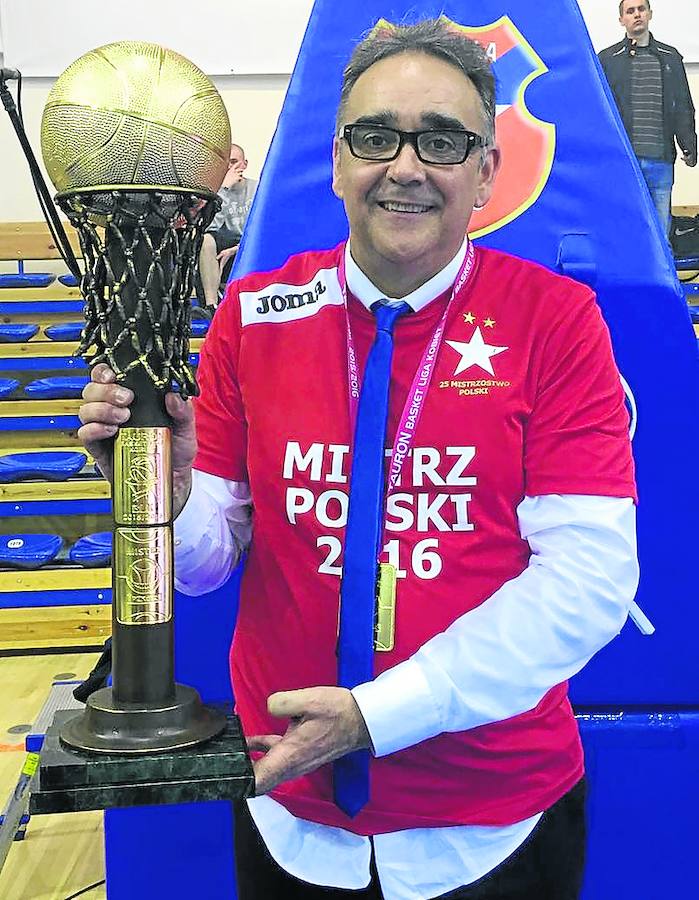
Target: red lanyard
(412, 410)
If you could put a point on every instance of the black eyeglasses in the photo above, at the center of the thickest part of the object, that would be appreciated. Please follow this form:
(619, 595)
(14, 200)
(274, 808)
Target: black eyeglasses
(437, 146)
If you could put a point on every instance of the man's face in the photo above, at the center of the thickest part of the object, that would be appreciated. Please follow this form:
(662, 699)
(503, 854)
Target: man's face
(404, 211)
(636, 18)
(236, 166)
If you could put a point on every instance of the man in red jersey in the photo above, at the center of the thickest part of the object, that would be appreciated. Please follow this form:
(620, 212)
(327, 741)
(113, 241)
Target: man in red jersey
(508, 521)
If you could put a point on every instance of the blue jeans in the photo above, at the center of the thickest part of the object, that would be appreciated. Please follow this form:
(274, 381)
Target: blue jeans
(659, 176)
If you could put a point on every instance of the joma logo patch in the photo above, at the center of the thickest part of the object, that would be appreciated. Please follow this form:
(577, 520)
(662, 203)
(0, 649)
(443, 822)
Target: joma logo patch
(281, 302)
(286, 302)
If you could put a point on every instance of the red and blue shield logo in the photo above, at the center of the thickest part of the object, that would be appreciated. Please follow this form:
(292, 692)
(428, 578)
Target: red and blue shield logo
(527, 144)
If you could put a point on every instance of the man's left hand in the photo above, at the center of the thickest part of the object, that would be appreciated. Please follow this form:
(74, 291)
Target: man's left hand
(690, 158)
(325, 723)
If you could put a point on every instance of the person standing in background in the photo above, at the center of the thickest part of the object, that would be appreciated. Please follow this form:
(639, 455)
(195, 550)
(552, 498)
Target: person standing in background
(650, 87)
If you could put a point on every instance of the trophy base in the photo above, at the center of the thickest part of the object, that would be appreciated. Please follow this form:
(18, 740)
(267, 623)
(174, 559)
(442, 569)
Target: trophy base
(71, 780)
(105, 727)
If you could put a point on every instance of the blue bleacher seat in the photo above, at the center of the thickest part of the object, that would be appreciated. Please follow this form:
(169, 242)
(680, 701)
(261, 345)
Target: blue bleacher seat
(16, 333)
(50, 466)
(93, 550)
(26, 279)
(58, 387)
(7, 387)
(29, 551)
(66, 331)
(68, 280)
(200, 327)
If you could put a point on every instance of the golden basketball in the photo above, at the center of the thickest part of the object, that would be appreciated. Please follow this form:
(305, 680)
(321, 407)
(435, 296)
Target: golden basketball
(135, 114)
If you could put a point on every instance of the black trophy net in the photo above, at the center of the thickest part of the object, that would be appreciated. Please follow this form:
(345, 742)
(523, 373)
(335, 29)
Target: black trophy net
(140, 250)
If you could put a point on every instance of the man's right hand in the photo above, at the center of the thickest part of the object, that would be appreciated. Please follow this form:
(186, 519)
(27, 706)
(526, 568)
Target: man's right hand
(105, 408)
(233, 176)
(225, 255)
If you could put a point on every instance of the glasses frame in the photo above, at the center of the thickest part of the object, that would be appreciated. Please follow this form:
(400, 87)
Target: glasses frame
(411, 137)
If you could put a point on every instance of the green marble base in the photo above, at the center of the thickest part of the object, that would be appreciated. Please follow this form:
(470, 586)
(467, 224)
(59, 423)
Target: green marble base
(72, 781)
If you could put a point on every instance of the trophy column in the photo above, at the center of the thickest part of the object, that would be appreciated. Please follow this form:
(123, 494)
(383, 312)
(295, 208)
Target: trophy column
(142, 561)
(134, 298)
(136, 140)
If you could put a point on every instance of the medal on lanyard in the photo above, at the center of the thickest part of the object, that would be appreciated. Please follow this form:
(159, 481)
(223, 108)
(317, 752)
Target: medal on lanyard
(385, 624)
(386, 573)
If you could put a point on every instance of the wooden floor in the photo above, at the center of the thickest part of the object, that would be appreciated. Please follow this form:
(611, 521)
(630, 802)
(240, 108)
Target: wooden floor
(61, 854)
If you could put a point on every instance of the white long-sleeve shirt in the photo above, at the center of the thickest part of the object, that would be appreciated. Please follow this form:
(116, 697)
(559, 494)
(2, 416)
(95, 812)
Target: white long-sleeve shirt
(493, 663)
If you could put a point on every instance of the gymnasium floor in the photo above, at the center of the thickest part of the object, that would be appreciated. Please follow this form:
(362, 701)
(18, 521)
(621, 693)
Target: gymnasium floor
(60, 854)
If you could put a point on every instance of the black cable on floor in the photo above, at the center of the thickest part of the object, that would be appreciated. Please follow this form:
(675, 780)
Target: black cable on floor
(90, 887)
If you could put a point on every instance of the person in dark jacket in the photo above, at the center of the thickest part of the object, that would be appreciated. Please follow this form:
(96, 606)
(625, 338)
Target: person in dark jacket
(650, 87)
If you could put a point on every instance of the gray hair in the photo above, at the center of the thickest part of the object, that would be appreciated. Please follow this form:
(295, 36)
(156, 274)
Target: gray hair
(431, 37)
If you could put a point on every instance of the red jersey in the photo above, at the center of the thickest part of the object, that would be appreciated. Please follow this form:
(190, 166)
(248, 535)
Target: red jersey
(525, 400)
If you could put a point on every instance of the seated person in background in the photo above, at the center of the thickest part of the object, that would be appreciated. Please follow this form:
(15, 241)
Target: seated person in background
(223, 236)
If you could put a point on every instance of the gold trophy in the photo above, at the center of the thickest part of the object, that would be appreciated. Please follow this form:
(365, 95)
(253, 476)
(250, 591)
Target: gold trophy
(136, 140)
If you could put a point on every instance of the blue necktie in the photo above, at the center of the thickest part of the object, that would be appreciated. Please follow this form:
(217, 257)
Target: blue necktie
(355, 647)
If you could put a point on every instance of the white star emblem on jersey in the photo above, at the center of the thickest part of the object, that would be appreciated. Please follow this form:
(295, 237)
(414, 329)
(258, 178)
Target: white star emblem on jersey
(475, 353)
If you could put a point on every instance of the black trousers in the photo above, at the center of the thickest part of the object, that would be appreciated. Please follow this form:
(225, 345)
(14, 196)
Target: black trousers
(548, 865)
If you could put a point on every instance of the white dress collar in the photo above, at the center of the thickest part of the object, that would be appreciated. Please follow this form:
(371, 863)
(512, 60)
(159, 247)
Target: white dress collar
(367, 293)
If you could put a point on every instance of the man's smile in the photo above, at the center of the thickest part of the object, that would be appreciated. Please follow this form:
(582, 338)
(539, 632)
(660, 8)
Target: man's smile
(402, 206)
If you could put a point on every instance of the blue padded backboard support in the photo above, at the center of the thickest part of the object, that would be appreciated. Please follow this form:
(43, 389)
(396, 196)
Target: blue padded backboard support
(577, 218)
(644, 790)
(639, 766)
(182, 851)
